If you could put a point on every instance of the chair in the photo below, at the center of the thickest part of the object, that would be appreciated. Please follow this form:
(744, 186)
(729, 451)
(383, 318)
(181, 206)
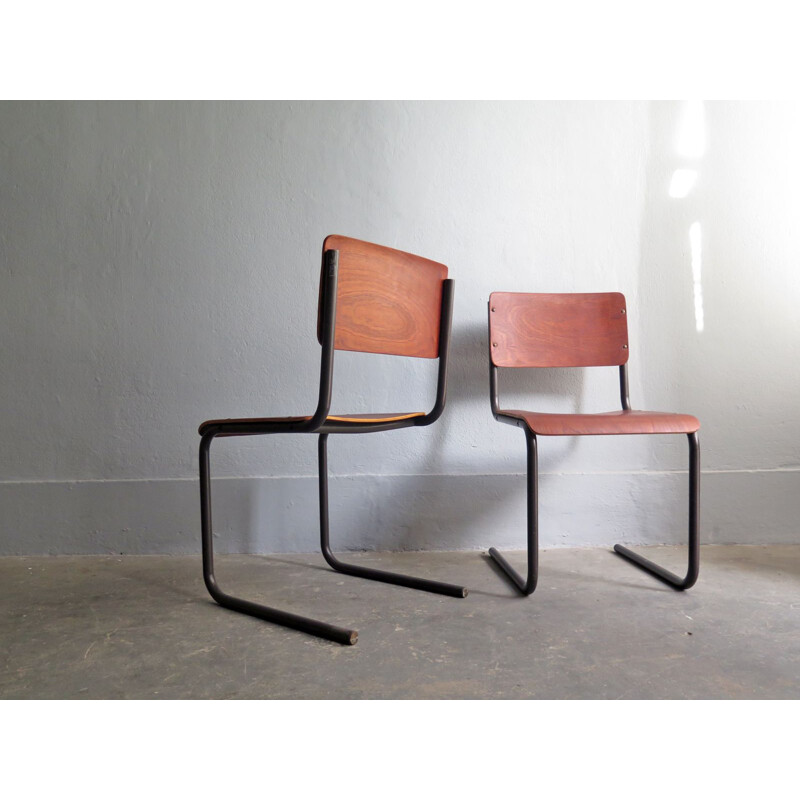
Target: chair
(578, 330)
(372, 299)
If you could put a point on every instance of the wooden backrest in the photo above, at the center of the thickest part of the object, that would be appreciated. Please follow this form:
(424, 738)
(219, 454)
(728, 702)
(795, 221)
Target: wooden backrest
(387, 301)
(557, 330)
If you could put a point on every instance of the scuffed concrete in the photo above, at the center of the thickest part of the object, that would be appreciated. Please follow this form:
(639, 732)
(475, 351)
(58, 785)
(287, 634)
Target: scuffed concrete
(144, 627)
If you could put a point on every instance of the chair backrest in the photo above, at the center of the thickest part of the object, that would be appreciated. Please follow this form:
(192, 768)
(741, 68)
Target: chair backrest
(387, 301)
(557, 330)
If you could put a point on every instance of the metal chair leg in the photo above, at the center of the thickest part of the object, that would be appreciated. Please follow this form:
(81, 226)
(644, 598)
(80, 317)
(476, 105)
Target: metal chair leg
(305, 624)
(528, 585)
(694, 540)
(366, 572)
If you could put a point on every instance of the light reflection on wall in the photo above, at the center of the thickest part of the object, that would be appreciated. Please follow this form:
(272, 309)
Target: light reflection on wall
(691, 144)
(683, 181)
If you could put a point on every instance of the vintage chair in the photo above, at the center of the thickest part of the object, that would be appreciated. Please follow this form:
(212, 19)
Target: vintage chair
(373, 300)
(578, 330)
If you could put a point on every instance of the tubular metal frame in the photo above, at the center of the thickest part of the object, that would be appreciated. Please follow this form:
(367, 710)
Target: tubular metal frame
(318, 424)
(527, 585)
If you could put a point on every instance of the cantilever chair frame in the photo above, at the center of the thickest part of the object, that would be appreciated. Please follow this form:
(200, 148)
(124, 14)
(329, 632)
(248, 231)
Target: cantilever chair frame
(320, 423)
(527, 585)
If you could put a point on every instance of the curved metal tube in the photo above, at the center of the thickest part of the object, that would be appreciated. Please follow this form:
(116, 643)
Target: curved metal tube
(305, 624)
(366, 572)
(445, 329)
(527, 585)
(693, 569)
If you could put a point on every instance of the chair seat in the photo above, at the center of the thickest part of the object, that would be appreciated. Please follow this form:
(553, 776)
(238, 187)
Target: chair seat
(346, 418)
(607, 423)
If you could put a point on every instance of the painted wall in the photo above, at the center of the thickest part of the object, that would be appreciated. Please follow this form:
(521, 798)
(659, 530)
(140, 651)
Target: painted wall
(159, 266)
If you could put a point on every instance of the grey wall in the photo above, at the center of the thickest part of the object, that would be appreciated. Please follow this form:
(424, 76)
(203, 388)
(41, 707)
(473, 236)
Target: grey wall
(159, 267)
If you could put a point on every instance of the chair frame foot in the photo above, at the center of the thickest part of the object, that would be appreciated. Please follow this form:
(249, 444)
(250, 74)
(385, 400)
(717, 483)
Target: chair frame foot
(527, 585)
(398, 579)
(315, 627)
(305, 624)
(693, 569)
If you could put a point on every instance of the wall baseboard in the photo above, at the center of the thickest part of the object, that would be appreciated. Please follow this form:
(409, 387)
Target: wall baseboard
(395, 512)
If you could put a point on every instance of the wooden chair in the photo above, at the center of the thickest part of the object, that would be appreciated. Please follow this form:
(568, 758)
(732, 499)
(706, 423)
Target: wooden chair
(373, 300)
(578, 330)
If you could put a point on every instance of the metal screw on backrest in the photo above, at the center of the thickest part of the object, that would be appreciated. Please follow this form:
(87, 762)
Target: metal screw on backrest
(494, 344)
(624, 347)
(492, 308)
(623, 311)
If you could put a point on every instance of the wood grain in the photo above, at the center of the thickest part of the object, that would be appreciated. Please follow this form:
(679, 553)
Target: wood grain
(608, 423)
(558, 330)
(387, 301)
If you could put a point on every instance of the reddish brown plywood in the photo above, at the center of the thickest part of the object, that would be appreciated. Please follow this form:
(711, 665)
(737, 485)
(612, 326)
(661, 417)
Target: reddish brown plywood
(558, 330)
(609, 423)
(387, 301)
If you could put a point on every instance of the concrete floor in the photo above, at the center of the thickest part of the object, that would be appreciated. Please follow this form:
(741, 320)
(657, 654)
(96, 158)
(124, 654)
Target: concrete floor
(144, 627)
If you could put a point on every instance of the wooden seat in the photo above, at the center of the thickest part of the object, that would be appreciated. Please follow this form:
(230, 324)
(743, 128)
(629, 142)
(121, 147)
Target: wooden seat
(372, 299)
(578, 330)
(607, 423)
(369, 419)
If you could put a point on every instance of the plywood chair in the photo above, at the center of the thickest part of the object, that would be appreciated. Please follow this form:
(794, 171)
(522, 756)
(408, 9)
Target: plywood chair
(578, 330)
(373, 300)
